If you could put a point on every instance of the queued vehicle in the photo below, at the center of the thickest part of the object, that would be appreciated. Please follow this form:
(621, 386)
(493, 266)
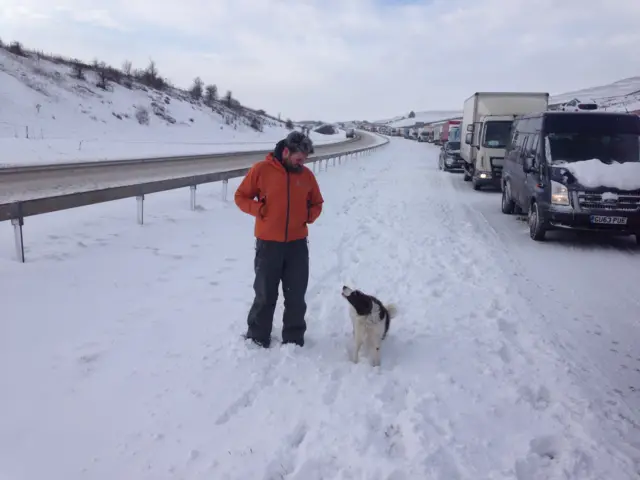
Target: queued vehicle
(574, 170)
(449, 158)
(351, 133)
(487, 119)
(576, 105)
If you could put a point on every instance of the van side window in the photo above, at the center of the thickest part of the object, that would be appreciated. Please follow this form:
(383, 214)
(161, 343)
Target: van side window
(533, 145)
(514, 137)
(521, 147)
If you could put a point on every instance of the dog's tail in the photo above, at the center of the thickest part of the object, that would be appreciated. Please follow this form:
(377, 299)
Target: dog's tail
(392, 309)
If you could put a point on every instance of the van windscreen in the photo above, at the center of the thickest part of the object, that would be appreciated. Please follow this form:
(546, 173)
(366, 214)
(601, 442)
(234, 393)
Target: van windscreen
(591, 123)
(609, 138)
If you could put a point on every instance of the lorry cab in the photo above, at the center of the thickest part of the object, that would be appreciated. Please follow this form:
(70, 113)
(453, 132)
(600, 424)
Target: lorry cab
(487, 140)
(574, 170)
(486, 123)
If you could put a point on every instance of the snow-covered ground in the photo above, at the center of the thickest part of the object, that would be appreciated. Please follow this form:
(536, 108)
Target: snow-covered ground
(47, 116)
(121, 357)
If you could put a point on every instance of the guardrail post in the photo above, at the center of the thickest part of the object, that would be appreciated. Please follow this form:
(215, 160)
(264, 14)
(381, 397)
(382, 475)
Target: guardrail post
(334, 161)
(225, 186)
(140, 202)
(19, 239)
(193, 197)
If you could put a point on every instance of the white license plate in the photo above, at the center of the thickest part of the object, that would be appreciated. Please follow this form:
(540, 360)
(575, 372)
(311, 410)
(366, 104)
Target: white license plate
(602, 219)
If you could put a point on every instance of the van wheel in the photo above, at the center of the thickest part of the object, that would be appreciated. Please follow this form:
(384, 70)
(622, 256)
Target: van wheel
(508, 205)
(638, 239)
(537, 228)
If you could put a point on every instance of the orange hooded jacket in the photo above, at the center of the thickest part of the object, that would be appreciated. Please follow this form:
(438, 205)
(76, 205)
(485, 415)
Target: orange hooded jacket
(283, 202)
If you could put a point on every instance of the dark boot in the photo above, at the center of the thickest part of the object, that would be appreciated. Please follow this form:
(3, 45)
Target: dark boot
(295, 278)
(268, 266)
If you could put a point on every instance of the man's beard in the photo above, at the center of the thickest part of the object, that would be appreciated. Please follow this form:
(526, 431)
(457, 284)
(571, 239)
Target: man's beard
(290, 167)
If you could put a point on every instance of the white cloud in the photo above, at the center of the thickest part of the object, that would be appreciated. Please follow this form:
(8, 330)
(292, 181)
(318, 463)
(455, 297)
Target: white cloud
(342, 59)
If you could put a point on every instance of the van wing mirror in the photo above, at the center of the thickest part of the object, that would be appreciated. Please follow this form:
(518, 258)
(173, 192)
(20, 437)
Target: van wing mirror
(468, 138)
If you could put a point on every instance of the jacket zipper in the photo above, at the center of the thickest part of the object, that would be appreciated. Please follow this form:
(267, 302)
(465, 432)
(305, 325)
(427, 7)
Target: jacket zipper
(286, 227)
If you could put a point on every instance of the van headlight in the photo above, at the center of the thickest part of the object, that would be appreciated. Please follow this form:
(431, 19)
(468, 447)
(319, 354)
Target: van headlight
(559, 194)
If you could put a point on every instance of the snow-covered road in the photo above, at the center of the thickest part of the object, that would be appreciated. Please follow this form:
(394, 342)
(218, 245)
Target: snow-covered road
(120, 354)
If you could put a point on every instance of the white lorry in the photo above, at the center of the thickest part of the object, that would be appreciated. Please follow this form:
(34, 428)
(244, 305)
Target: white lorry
(486, 127)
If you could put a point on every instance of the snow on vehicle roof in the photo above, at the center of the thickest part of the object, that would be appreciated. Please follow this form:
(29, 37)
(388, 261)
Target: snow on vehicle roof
(594, 173)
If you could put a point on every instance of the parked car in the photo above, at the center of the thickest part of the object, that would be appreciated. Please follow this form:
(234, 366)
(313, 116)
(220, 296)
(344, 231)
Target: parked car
(562, 169)
(450, 158)
(576, 105)
(351, 133)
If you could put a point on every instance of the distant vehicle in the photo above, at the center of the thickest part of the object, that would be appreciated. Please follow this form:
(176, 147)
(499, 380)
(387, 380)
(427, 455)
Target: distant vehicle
(486, 124)
(576, 105)
(450, 158)
(446, 129)
(562, 170)
(437, 134)
(351, 133)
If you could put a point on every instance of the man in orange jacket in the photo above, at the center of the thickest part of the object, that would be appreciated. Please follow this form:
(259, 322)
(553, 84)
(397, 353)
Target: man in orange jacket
(284, 197)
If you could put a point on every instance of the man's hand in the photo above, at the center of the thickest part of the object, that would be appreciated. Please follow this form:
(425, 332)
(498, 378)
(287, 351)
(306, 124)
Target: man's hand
(262, 211)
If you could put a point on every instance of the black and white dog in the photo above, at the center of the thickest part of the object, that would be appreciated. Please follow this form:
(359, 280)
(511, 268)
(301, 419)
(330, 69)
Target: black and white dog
(371, 320)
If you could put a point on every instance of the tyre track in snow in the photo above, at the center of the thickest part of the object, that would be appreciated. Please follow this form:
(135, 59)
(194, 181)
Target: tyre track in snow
(470, 254)
(446, 261)
(618, 413)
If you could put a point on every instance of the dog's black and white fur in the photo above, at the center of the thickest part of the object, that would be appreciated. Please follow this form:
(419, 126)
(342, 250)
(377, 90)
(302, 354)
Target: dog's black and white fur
(371, 320)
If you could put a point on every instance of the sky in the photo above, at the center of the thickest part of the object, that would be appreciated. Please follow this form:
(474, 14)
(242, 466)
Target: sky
(338, 60)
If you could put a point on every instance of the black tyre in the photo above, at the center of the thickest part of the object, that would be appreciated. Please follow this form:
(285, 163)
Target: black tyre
(467, 177)
(537, 227)
(508, 205)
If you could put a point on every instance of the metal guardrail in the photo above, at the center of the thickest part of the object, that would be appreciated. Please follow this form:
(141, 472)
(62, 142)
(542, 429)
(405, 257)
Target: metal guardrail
(18, 211)
(45, 167)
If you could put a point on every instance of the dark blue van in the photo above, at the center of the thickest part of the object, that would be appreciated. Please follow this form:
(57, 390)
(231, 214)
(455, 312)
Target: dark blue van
(574, 170)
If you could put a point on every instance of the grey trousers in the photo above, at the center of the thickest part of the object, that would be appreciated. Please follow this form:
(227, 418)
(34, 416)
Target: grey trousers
(275, 262)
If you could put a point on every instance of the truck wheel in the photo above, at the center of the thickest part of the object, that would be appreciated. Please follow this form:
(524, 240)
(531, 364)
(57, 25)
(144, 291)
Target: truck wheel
(467, 177)
(508, 205)
(537, 228)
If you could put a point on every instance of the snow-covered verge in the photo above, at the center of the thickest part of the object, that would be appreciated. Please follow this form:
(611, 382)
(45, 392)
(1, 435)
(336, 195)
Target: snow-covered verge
(130, 362)
(594, 173)
(48, 115)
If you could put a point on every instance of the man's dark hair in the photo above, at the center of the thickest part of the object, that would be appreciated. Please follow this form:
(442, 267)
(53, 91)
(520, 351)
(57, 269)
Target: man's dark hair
(298, 142)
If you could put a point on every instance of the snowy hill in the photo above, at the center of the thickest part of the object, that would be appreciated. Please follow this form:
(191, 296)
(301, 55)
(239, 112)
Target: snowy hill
(617, 96)
(53, 109)
(426, 116)
(613, 97)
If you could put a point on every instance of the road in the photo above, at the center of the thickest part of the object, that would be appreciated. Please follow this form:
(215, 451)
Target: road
(38, 184)
(585, 289)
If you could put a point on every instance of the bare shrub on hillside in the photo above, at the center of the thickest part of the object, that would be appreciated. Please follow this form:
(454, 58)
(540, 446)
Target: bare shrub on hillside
(142, 115)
